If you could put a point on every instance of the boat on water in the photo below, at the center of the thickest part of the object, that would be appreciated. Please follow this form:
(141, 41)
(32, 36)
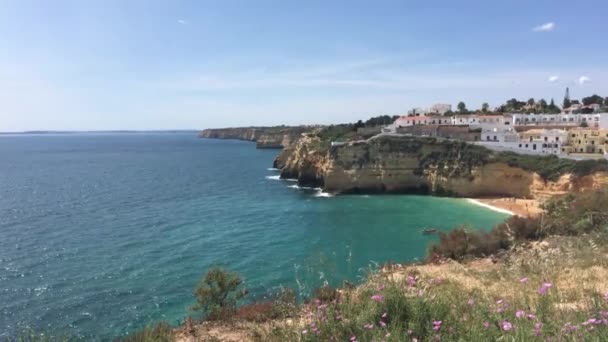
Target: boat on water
(429, 231)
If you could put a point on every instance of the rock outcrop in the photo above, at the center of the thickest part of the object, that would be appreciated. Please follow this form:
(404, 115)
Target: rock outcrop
(265, 137)
(391, 164)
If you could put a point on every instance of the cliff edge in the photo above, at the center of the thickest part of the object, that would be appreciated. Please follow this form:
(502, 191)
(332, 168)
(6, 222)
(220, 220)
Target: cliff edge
(265, 137)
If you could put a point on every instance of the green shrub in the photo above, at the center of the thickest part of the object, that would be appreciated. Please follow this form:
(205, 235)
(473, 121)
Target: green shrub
(218, 293)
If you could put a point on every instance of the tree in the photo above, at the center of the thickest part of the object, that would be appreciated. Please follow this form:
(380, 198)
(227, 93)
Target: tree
(552, 108)
(531, 102)
(218, 293)
(484, 107)
(593, 99)
(358, 125)
(567, 103)
(543, 104)
(462, 108)
(584, 124)
(606, 101)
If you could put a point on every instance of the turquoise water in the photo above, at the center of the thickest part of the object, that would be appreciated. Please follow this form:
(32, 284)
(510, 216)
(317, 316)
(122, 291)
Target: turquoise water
(101, 234)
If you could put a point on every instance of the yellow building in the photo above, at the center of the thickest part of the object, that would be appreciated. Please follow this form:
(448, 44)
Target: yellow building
(586, 140)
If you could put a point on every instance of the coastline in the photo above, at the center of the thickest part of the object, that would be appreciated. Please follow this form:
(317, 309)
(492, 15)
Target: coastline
(510, 206)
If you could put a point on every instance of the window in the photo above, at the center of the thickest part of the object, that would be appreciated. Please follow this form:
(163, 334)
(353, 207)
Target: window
(534, 146)
(495, 138)
(556, 138)
(546, 138)
(526, 145)
(519, 145)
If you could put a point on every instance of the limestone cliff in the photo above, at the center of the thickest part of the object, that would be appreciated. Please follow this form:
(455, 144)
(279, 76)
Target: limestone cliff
(390, 164)
(265, 137)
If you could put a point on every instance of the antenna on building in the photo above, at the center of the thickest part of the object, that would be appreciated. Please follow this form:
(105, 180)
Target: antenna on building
(567, 96)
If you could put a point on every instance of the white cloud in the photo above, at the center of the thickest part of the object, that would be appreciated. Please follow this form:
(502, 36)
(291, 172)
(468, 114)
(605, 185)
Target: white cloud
(544, 27)
(583, 79)
(182, 21)
(553, 78)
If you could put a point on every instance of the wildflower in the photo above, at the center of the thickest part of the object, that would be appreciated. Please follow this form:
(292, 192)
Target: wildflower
(317, 301)
(410, 332)
(382, 324)
(568, 327)
(531, 317)
(353, 338)
(436, 325)
(486, 324)
(537, 328)
(506, 325)
(499, 301)
(523, 280)
(304, 332)
(606, 296)
(368, 326)
(414, 340)
(381, 287)
(471, 302)
(321, 307)
(378, 298)
(384, 315)
(520, 314)
(388, 334)
(411, 281)
(542, 290)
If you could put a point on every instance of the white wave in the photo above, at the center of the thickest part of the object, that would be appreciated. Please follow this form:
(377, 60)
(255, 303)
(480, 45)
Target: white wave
(273, 169)
(274, 177)
(320, 193)
(290, 179)
(295, 186)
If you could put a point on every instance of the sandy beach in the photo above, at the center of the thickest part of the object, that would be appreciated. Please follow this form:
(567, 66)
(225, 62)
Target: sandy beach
(511, 206)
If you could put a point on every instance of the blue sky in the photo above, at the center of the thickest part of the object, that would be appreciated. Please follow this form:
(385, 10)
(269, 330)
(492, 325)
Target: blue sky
(79, 65)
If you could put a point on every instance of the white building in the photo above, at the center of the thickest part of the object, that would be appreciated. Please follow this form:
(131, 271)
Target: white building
(595, 120)
(440, 108)
(417, 111)
(406, 121)
(534, 141)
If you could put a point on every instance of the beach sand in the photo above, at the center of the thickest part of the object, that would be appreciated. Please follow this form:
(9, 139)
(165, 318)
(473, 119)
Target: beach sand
(512, 206)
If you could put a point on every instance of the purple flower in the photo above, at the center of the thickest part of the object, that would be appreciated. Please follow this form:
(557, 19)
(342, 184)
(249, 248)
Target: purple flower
(411, 281)
(506, 325)
(523, 280)
(542, 290)
(368, 326)
(606, 296)
(499, 301)
(519, 314)
(537, 328)
(471, 302)
(486, 324)
(531, 317)
(382, 324)
(568, 327)
(353, 338)
(378, 298)
(384, 315)
(436, 325)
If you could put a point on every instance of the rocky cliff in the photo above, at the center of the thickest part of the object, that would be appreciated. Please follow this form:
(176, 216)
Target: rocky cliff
(265, 137)
(390, 164)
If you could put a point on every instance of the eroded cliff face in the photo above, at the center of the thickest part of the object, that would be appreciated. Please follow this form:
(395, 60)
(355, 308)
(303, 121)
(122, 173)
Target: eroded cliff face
(265, 137)
(417, 165)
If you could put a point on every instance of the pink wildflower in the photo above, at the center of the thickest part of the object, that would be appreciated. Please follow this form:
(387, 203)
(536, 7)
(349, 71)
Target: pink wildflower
(486, 324)
(384, 315)
(471, 302)
(317, 301)
(304, 332)
(542, 290)
(506, 325)
(537, 328)
(520, 314)
(381, 287)
(410, 332)
(523, 280)
(499, 301)
(436, 325)
(353, 338)
(382, 324)
(411, 281)
(378, 298)
(388, 334)
(414, 340)
(368, 326)
(606, 296)
(531, 317)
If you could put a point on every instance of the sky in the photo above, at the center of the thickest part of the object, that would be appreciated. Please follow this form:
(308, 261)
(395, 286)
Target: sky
(104, 65)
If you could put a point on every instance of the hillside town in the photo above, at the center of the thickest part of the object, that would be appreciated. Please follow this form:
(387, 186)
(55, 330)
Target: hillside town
(579, 131)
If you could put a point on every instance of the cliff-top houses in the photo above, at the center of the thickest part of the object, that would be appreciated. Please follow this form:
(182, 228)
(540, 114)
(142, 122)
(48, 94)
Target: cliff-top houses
(565, 134)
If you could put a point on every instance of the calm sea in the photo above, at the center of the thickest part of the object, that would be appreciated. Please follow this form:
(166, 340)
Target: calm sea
(101, 234)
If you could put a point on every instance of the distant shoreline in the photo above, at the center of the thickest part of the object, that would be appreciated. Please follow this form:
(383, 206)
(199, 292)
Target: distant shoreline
(193, 131)
(511, 206)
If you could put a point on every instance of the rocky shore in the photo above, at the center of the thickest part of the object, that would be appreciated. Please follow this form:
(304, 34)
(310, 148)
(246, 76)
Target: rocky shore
(414, 165)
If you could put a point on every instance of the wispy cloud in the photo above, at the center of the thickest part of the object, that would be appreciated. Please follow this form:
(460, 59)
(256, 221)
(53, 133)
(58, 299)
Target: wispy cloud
(182, 21)
(547, 27)
(583, 79)
(553, 78)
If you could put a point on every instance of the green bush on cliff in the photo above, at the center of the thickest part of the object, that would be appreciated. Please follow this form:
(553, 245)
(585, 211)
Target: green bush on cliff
(218, 293)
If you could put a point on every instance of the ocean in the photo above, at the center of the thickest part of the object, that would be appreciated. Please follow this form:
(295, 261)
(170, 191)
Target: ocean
(101, 234)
